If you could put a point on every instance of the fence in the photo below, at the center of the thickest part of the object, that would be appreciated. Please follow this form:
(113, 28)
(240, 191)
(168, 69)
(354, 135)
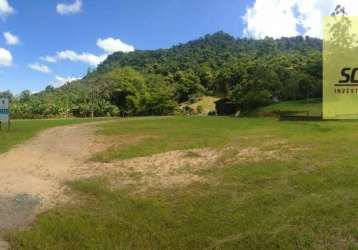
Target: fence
(299, 116)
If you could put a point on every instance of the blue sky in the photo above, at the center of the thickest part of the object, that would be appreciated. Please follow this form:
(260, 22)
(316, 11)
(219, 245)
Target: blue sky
(68, 31)
(43, 31)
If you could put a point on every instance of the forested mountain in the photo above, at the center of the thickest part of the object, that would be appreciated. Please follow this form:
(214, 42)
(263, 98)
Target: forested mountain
(250, 72)
(214, 50)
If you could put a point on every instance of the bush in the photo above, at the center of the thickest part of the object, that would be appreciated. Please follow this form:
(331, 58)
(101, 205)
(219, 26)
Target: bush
(212, 113)
(187, 110)
(199, 109)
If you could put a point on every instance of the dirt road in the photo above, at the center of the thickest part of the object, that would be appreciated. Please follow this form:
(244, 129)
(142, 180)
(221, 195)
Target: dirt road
(32, 175)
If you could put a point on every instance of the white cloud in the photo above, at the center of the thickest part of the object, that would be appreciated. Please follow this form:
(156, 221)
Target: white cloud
(277, 18)
(111, 45)
(40, 68)
(50, 59)
(5, 8)
(65, 9)
(11, 39)
(73, 56)
(270, 18)
(80, 57)
(5, 57)
(59, 80)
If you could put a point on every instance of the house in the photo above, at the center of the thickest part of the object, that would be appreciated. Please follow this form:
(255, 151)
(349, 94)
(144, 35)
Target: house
(225, 106)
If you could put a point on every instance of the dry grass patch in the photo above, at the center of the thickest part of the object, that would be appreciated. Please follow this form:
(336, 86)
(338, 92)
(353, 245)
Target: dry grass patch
(166, 170)
(184, 167)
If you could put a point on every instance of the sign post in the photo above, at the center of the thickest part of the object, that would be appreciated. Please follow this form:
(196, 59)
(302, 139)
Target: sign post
(4, 112)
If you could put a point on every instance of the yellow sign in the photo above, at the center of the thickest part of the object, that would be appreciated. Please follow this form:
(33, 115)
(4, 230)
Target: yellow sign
(340, 68)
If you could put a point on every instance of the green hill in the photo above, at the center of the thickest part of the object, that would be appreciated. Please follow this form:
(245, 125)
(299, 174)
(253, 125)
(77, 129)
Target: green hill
(252, 73)
(213, 51)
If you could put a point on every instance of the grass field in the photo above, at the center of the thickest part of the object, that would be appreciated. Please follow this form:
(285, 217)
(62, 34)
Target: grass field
(22, 130)
(312, 106)
(293, 186)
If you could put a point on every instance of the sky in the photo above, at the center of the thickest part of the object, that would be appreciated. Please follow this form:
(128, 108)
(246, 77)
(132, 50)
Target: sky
(51, 42)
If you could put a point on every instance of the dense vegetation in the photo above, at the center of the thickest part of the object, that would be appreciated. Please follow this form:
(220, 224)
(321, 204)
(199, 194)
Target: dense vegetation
(250, 72)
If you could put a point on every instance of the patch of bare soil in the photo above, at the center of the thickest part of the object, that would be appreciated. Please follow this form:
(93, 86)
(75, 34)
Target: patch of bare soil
(4, 245)
(181, 168)
(163, 170)
(32, 175)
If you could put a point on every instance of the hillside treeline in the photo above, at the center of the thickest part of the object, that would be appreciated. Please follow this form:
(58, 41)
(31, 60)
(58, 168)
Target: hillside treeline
(250, 72)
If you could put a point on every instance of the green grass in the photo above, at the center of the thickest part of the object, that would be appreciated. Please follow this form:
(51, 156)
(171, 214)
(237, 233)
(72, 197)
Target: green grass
(157, 135)
(309, 201)
(22, 130)
(313, 106)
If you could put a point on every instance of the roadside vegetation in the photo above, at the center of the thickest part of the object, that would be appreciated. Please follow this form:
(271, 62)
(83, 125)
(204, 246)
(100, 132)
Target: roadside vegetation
(250, 183)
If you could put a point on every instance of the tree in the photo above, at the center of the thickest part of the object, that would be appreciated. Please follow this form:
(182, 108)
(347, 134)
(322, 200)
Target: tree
(306, 85)
(25, 96)
(187, 85)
